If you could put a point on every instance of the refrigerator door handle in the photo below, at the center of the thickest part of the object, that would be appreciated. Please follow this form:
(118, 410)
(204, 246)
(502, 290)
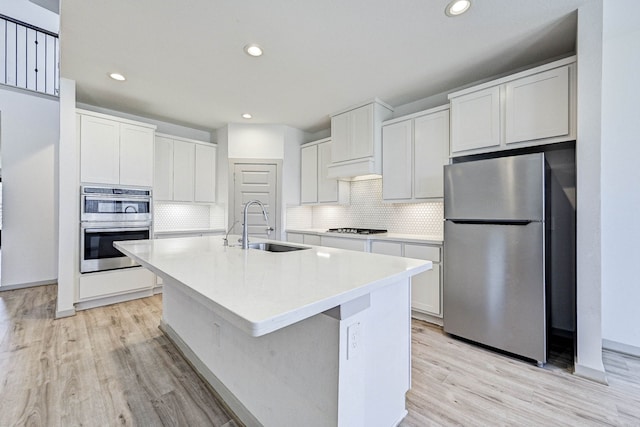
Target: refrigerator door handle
(494, 222)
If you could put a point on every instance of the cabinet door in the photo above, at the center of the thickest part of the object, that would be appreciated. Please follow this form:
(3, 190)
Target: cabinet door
(309, 174)
(311, 239)
(163, 170)
(426, 287)
(344, 243)
(99, 150)
(295, 238)
(361, 132)
(430, 154)
(136, 155)
(475, 120)
(340, 136)
(327, 187)
(538, 106)
(183, 165)
(396, 161)
(205, 173)
(386, 248)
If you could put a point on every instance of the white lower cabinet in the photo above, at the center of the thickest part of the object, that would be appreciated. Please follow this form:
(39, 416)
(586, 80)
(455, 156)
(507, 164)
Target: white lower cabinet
(344, 243)
(114, 283)
(306, 239)
(426, 288)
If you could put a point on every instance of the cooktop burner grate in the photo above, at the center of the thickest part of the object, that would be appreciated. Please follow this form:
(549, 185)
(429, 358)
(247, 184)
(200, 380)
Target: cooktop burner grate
(352, 230)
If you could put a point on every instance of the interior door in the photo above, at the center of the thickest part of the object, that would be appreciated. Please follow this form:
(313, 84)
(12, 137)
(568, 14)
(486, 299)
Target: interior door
(254, 181)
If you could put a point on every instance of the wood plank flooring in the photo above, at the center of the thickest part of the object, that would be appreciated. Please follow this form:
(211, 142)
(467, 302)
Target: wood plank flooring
(112, 366)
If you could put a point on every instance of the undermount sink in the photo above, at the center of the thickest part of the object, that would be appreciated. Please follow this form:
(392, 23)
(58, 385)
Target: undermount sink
(275, 247)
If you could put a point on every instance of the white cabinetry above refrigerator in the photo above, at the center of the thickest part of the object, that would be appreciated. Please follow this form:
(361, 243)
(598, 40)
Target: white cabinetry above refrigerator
(533, 107)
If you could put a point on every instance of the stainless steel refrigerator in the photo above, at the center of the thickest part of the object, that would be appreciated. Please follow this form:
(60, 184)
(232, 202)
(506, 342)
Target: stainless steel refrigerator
(495, 290)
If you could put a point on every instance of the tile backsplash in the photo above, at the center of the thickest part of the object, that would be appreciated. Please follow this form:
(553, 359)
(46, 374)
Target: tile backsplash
(187, 216)
(368, 211)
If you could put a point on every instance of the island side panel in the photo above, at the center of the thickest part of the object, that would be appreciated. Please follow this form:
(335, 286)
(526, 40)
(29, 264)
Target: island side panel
(376, 375)
(287, 377)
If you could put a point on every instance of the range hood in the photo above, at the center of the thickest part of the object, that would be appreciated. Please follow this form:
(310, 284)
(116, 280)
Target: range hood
(355, 169)
(356, 140)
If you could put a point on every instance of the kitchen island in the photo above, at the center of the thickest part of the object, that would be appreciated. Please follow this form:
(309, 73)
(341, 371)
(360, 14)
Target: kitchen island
(319, 336)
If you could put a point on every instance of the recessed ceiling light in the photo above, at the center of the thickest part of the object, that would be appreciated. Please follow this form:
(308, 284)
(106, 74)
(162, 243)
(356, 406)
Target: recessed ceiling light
(457, 7)
(253, 50)
(246, 116)
(117, 76)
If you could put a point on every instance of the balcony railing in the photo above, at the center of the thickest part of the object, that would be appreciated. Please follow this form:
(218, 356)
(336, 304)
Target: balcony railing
(28, 57)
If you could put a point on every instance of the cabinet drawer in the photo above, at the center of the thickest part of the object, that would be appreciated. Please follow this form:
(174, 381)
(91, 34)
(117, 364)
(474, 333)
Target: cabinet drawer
(295, 238)
(386, 248)
(340, 243)
(115, 282)
(431, 253)
(311, 239)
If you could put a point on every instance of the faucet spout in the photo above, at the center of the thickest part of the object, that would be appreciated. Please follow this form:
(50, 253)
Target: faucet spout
(245, 225)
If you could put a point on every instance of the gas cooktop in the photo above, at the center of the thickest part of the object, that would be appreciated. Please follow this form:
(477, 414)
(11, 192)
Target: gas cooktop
(356, 230)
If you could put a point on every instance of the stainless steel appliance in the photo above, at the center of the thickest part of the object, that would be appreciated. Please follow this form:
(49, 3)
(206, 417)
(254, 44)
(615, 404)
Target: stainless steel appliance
(108, 215)
(351, 230)
(495, 280)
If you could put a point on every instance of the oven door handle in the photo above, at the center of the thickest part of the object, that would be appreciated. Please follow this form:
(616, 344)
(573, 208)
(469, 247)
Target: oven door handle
(107, 230)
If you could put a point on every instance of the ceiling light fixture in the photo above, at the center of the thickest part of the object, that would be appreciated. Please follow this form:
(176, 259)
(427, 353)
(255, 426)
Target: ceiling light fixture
(457, 7)
(117, 76)
(253, 50)
(246, 116)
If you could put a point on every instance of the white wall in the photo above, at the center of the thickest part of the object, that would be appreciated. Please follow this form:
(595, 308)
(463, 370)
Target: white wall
(248, 141)
(620, 178)
(588, 222)
(28, 139)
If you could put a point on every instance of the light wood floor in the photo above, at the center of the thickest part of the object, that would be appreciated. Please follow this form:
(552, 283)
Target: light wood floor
(112, 366)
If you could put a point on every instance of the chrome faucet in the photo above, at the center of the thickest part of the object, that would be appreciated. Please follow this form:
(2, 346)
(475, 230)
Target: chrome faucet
(245, 225)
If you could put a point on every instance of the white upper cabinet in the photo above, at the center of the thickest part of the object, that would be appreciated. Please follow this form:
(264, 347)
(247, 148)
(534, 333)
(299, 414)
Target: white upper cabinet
(205, 173)
(185, 170)
(163, 169)
(356, 135)
(309, 174)
(430, 154)
(415, 149)
(397, 160)
(533, 107)
(315, 186)
(136, 155)
(115, 151)
(475, 120)
(538, 106)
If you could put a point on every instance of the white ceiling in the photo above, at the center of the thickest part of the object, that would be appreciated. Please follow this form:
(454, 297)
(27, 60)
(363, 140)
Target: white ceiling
(184, 62)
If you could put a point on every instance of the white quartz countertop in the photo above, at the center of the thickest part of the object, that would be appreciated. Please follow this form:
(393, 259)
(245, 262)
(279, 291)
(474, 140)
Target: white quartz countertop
(259, 291)
(397, 237)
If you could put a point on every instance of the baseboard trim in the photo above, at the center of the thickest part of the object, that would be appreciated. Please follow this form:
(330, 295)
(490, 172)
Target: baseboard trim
(235, 408)
(619, 347)
(591, 374)
(28, 285)
(426, 317)
(65, 313)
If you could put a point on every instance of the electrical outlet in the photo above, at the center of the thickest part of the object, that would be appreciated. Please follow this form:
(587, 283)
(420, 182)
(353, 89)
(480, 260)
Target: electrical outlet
(353, 341)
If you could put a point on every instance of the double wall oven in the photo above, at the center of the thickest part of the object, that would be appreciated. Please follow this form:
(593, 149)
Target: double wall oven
(110, 214)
